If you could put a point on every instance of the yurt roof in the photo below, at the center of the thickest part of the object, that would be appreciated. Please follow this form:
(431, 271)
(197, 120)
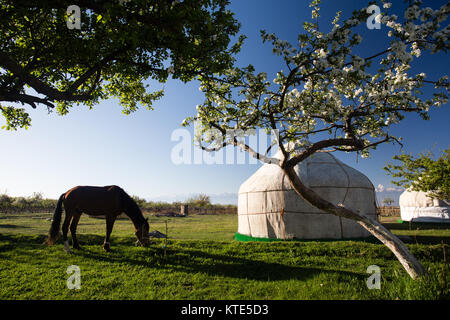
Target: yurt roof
(319, 170)
(420, 199)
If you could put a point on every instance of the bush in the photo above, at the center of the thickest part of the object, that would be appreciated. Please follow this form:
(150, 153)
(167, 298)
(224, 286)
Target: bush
(36, 203)
(201, 200)
(5, 202)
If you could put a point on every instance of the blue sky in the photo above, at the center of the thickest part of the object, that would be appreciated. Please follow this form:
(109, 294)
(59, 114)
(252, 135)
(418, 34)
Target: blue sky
(102, 146)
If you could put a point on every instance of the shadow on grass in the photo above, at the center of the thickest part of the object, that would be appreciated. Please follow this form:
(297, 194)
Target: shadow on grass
(420, 239)
(186, 259)
(197, 261)
(417, 226)
(12, 226)
(413, 239)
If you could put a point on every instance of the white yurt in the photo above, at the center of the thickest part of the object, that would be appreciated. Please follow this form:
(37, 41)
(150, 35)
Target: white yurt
(269, 208)
(417, 206)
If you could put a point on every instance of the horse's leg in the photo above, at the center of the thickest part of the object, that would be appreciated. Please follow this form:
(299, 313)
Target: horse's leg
(65, 229)
(73, 230)
(109, 226)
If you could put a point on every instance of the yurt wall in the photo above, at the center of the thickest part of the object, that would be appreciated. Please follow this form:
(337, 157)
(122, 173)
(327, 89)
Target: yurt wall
(268, 207)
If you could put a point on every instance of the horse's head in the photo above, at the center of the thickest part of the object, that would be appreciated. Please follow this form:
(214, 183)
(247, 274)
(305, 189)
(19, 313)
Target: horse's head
(142, 234)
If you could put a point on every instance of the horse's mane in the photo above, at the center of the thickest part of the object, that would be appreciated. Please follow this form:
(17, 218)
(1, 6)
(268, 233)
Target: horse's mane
(129, 204)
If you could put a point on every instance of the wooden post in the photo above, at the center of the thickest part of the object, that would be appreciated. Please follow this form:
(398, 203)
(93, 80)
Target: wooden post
(184, 210)
(165, 240)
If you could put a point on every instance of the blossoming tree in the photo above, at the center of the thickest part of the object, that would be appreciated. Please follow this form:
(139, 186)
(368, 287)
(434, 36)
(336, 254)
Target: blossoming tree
(330, 89)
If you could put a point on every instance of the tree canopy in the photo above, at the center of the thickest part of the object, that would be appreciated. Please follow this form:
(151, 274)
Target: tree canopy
(388, 201)
(331, 98)
(423, 173)
(329, 88)
(119, 45)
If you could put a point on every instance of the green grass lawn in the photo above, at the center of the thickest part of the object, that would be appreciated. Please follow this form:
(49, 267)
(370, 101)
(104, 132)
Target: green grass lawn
(202, 261)
(194, 227)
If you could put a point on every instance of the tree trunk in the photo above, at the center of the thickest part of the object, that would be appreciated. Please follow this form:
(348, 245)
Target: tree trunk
(406, 258)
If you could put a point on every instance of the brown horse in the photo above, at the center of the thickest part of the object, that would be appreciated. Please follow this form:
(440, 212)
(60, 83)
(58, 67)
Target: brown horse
(109, 201)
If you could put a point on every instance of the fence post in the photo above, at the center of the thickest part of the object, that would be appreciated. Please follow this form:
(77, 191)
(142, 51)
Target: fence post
(184, 210)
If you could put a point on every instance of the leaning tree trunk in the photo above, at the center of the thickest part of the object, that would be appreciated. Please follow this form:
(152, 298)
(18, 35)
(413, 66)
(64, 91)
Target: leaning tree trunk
(406, 258)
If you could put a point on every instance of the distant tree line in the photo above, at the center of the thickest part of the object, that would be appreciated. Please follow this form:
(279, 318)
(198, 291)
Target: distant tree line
(37, 203)
(200, 201)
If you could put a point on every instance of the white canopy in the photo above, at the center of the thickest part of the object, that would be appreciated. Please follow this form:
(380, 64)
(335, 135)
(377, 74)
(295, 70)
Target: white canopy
(420, 207)
(268, 207)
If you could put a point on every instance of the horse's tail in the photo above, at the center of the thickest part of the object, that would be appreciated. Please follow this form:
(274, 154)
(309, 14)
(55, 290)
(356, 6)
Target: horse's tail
(56, 222)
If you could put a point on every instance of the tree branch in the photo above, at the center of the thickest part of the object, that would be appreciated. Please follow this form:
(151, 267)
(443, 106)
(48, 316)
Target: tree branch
(321, 145)
(25, 98)
(409, 262)
(235, 142)
(38, 85)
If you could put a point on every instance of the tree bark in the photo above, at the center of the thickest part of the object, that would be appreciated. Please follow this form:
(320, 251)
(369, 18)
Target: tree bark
(406, 258)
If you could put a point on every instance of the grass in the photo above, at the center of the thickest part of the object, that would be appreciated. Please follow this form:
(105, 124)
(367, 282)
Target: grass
(204, 227)
(202, 261)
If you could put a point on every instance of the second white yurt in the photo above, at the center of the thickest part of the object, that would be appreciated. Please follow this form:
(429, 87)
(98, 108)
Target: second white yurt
(269, 208)
(418, 206)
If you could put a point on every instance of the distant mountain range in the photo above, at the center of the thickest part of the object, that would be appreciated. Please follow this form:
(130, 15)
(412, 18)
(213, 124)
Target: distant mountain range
(232, 198)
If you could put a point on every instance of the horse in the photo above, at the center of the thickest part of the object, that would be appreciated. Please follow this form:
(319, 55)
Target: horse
(109, 201)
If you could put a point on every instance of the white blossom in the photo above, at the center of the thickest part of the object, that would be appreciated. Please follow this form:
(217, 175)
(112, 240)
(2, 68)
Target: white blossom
(322, 53)
(415, 50)
(358, 92)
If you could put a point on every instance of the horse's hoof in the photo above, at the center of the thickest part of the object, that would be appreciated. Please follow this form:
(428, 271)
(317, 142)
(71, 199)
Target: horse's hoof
(66, 247)
(106, 247)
